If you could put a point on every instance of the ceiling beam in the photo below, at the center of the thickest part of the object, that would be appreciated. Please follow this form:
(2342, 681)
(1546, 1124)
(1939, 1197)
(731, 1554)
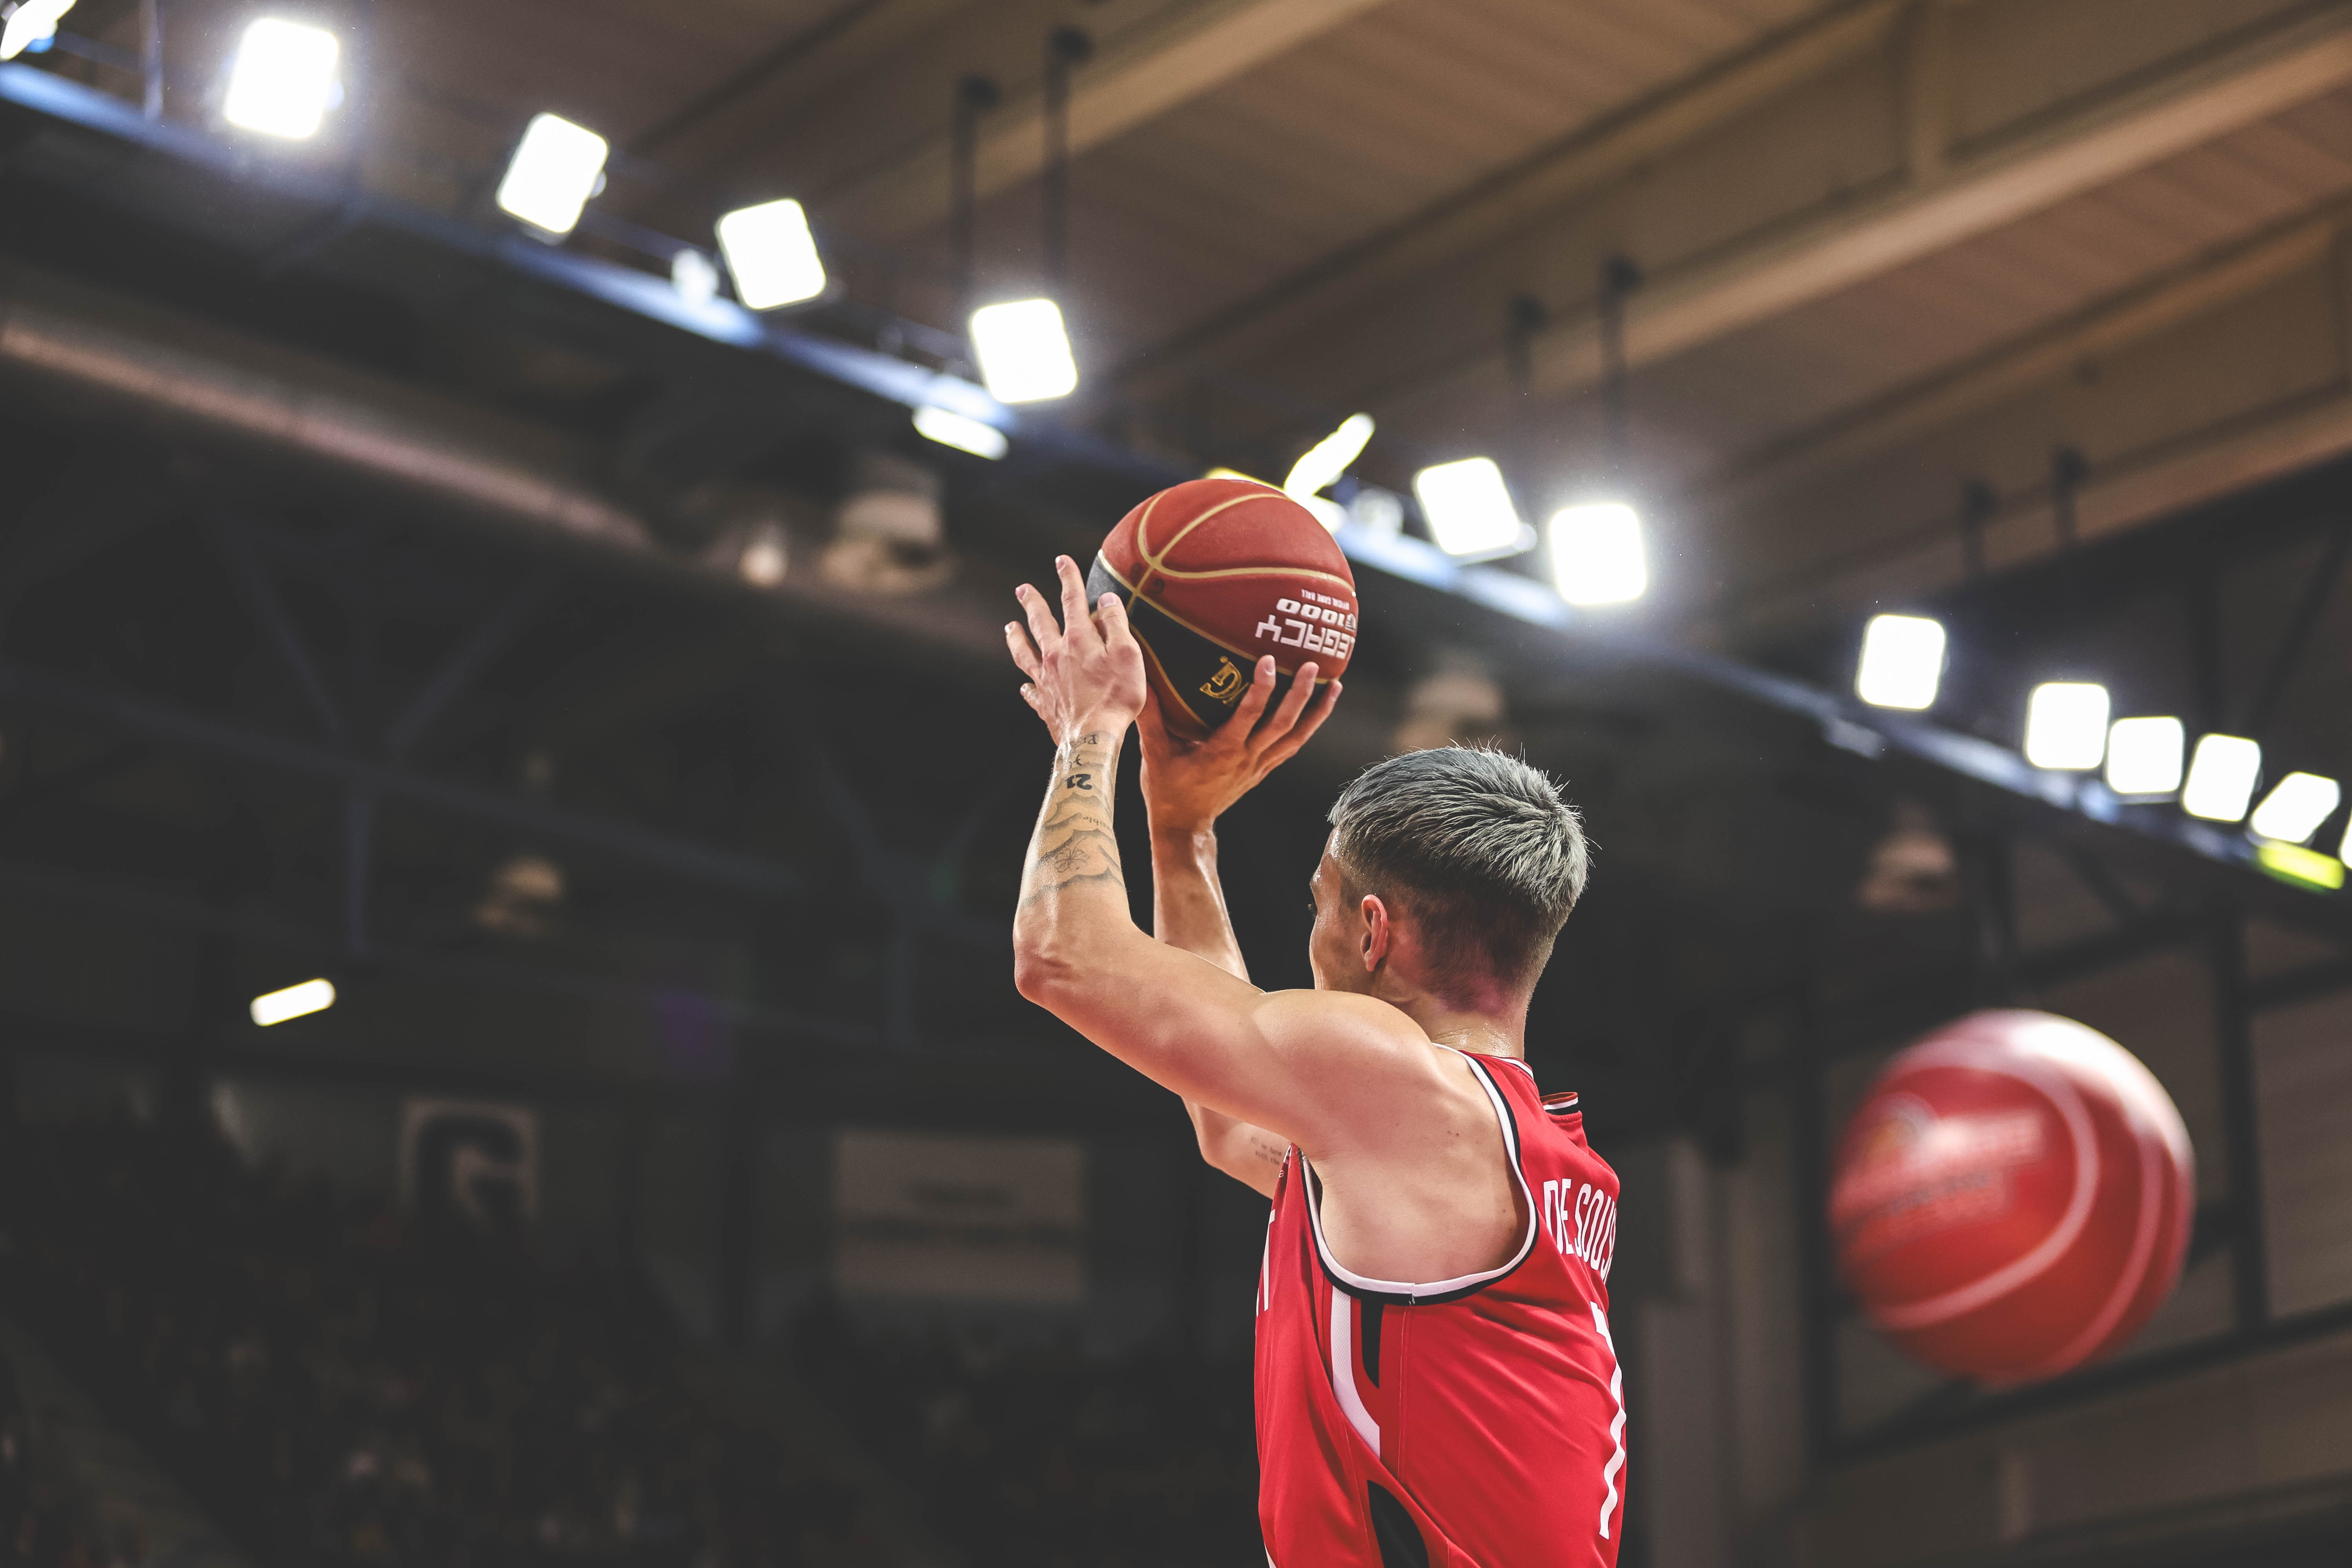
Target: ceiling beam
(1139, 75)
(780, 84)
(2083, 803)
(1695, 303)
(1854, 435)
(23, 687)
(1504, 202)
(2173, 475)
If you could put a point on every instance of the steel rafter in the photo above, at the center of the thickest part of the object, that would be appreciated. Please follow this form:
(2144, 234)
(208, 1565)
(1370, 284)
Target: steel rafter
(1842, 720)
(24, 686)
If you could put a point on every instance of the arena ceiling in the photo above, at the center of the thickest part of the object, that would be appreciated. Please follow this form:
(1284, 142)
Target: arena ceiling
(1888, 251)
(1888, 247)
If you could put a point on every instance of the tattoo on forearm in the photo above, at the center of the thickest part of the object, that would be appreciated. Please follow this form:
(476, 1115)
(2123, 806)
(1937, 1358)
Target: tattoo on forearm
(1074, 843)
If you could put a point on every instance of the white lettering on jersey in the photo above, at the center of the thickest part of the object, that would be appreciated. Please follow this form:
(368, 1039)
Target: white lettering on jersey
(1582, 1224)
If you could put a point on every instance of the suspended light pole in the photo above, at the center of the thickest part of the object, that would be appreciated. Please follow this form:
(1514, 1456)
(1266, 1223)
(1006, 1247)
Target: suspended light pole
(1067, 49)
(2068, 469)
(975, 96)
(1619, 278)
(1523, 318)
(1597, 552)
(1024, 346)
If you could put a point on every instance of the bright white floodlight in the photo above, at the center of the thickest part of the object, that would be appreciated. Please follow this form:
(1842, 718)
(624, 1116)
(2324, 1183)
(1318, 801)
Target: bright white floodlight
(1024, 350)
(771, 255)
(961, 431)
(2223, 773)
(1596, 554)
(32, 22)
(1469, 508)
(2066, 725)
(294, 1002)
(283, 81)
(1325, 461)
(1902, 662)
(553, 172)
(2294, 810)
(2144, 755)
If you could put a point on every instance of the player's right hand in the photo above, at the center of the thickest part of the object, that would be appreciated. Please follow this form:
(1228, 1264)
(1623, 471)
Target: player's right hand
(1187, 784)
(1086, 674)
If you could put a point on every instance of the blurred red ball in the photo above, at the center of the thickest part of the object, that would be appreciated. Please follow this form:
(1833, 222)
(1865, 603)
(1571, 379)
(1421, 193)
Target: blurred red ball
(2013, 1197)
(1216, 573)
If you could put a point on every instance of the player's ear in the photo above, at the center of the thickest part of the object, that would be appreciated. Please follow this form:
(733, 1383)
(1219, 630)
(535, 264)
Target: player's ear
(1376, 933)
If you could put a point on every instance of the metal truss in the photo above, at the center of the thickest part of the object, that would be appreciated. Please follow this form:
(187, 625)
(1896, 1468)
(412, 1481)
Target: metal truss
(365, 749)
(1494, 590)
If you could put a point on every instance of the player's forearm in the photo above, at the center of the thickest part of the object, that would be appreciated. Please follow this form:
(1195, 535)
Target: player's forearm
(1188, 904)
(1073, 889)
(1242, 1150)
(1188, 911)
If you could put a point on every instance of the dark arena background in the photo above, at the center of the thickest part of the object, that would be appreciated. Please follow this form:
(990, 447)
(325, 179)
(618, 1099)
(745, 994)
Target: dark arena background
(512, 794)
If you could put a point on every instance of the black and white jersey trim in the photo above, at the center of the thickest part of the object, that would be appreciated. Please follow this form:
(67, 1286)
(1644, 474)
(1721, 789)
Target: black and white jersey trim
(1397, 1293)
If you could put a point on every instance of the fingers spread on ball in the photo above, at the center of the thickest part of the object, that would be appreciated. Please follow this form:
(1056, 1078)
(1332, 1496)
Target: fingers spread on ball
(1076, 622)
(1236, 730)
(1024, 653)
(1110, 617)
(1294, 702)
(1040, 611)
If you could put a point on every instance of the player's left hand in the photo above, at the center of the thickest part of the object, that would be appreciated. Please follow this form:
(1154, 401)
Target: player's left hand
(1086, 674)
(1188, 784)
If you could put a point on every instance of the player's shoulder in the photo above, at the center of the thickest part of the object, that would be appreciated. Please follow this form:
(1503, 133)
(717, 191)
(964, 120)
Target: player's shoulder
(1363, 1035)
(1345, 1018)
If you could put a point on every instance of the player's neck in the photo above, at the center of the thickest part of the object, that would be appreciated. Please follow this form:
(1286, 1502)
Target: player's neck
(1493, 1034)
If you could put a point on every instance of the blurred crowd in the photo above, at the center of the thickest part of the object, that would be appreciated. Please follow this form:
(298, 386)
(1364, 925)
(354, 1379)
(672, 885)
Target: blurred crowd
(40, 1527)
(1052, 1459)
(337, 1386)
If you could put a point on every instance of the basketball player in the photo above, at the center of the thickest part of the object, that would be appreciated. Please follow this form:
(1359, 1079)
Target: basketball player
(1435, 1379)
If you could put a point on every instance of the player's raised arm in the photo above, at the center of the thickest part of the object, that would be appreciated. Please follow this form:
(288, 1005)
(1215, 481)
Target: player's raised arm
(1188, 784)
(1183, 1021)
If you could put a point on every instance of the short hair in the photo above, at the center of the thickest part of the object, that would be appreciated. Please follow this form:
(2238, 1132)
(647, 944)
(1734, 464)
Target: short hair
(1484, 852)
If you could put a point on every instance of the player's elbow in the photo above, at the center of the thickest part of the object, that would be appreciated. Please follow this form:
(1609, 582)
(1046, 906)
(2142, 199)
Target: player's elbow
(1039, 973)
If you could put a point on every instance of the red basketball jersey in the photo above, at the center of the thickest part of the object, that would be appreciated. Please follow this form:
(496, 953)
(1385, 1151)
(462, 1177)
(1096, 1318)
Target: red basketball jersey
(1470, 1423)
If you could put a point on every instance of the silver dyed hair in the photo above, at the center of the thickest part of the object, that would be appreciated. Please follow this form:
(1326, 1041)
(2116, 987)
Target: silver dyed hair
(1484, 850)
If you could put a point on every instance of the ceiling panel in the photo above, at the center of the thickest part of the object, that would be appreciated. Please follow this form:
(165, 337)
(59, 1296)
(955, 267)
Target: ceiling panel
(1355, 132)
(1758, 386)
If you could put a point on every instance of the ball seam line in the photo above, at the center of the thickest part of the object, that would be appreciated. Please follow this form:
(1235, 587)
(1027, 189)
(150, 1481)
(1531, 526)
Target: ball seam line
(1143, 528)
(1156, 560)
(1112, 572)
(2134, 1273)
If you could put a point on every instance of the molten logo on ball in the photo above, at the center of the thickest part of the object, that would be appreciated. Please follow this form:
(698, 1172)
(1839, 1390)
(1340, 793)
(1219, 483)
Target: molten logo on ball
(2013, 1197)
(1914, 1174)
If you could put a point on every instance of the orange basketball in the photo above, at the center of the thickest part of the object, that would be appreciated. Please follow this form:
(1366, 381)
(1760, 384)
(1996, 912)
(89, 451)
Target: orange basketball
(2013, 1197)
(1216, 573)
